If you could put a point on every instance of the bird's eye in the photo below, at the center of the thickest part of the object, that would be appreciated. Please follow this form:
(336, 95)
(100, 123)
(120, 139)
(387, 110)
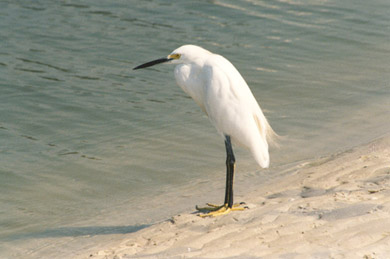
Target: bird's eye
(174, 56)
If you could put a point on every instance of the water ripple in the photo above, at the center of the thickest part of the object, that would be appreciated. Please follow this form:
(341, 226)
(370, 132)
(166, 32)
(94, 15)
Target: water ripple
(44, 64)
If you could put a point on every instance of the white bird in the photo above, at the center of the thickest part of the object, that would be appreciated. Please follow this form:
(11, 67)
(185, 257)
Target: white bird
(222, 93)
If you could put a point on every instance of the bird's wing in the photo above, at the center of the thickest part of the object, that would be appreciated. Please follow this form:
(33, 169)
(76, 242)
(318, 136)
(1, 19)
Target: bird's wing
(233, 109)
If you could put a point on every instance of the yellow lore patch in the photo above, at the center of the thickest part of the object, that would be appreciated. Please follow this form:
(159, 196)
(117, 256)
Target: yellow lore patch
(174, 56)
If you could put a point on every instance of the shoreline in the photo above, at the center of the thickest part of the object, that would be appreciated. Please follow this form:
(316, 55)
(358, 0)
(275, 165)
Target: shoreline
(334, 207)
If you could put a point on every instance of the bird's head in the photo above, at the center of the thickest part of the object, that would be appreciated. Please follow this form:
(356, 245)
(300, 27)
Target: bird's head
(184, 54)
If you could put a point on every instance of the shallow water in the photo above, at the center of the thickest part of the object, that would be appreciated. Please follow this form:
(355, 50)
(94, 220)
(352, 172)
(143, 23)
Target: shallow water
(90, 149)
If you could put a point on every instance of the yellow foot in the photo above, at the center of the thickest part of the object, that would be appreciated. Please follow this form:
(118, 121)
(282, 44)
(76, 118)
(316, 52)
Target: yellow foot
(217, 210)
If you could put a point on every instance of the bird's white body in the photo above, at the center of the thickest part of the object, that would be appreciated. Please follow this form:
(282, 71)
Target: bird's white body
(221, 92)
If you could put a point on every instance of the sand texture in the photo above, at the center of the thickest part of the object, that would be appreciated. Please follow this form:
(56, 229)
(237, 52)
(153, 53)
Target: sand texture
(335, 207)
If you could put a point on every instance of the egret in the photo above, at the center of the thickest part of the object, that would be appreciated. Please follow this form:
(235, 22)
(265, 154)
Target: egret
(222, 93)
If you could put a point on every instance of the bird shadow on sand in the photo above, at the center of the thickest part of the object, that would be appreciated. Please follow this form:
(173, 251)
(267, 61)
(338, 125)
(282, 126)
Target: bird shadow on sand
(78, 231)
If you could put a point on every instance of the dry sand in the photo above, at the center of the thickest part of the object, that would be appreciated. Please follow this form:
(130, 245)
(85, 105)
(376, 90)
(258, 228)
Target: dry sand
(336, 207)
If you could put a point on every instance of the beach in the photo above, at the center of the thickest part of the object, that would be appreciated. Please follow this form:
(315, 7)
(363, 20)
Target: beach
(334, 207)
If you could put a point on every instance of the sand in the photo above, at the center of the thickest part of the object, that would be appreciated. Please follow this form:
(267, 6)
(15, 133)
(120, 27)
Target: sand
(335, 207)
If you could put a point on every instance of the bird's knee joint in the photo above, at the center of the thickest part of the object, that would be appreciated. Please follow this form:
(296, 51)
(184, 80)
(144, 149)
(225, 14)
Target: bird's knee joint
(230, 161)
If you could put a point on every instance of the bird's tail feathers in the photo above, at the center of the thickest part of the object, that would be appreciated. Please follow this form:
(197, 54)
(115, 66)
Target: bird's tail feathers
(272, 137)
(266, 130)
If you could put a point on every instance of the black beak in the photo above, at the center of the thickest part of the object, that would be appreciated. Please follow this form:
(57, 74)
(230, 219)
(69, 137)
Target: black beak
(152, 63)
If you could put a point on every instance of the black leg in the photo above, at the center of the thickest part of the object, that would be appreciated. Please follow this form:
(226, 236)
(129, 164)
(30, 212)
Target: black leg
(216, 210)
(230, 161)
